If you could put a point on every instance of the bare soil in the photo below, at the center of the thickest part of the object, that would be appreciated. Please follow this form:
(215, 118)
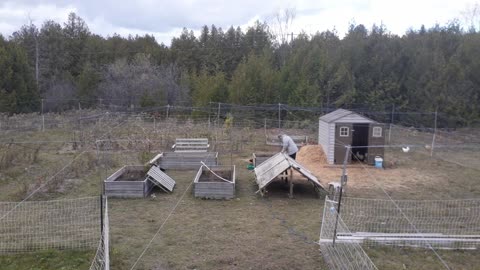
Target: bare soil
(208, 176)
(132, 176)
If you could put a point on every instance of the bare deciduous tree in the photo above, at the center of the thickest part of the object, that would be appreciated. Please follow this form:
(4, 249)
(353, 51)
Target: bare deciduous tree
(141, 83)
(471, 16)
(282, 22)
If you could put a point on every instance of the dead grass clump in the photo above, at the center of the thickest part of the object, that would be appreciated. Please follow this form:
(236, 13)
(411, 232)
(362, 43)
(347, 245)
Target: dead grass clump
(11, 154)
(83, 164)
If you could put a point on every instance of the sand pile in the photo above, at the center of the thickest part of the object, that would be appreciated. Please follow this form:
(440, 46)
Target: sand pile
(311, 155)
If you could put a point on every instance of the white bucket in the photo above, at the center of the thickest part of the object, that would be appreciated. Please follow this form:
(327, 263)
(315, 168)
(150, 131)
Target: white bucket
(378, 162)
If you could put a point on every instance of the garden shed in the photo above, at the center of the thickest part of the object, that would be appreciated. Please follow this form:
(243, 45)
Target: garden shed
(343, 127)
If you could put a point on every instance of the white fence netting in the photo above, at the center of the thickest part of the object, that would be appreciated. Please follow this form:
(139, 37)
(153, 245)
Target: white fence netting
(448, 224)
(340, 254)
(101, 261)
(41, 225)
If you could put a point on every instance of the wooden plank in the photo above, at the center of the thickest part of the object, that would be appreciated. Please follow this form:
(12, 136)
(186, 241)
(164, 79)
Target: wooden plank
(116, 174)
(270, 169)
(215, 190)
(298, 167)
(155, 159)
(187, 160)
(160, 178)
(191, 145)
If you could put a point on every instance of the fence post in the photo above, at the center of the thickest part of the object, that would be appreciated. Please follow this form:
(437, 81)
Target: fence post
(434, 132)
(218, 114)
(343, 181)
(265, 125)
(43, 118)
(168, 110)
(391, 125)
(101, 214)
(279, 116)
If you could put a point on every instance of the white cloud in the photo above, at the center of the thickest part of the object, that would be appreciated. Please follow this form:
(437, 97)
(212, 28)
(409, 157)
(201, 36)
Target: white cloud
(165, 19)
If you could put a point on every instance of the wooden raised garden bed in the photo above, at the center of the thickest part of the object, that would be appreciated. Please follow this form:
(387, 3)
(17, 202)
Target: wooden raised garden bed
(219, 183)
(258, 158)
(186, 160)
(129, 181)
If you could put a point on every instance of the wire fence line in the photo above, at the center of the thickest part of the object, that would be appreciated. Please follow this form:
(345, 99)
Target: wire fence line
(42, 225)
(101, 261)
(447, 224)
(279, 113)
(461, 146)
(340, 254)
(441, 224)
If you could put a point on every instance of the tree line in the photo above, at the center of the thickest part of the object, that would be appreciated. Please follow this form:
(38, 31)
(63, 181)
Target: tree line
(423, 70)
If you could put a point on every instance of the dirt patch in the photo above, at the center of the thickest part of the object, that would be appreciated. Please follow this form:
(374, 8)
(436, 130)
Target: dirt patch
(208, 176)
(131, 176)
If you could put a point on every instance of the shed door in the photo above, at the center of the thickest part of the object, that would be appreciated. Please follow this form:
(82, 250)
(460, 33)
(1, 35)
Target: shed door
(376, 137)
(343, 136)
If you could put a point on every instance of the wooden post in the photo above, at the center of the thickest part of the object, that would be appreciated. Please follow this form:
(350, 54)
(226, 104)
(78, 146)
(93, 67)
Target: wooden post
(279, 116)
(43, 118)
(434, 132)
(290, 181)
(218, 115)
(265, 126)
(342, 183)
(101, 214)
(391, 124)
(168, 110)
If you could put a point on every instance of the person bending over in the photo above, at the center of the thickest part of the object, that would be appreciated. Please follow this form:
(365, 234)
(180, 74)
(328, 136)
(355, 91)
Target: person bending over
(288, 145)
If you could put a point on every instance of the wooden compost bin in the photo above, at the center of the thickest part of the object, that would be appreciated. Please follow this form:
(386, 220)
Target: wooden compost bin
(129, 181)
(208, 185)
(186, 160)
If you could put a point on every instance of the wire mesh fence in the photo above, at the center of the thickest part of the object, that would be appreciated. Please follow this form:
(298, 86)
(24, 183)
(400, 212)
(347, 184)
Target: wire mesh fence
(42, 225)
(447, 224)
(101, 261)
(459, 146)
(340, 254)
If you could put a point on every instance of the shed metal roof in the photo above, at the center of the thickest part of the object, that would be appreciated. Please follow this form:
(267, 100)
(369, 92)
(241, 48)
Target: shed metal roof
(341, 113)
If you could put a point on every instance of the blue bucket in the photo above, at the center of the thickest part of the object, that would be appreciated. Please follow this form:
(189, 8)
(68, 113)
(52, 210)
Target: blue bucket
(378, 162)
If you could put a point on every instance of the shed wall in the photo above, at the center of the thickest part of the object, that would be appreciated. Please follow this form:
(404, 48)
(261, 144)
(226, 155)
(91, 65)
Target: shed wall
(323, 135)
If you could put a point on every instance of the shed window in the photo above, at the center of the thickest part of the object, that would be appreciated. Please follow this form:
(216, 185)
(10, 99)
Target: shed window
(344, 131)
(377, 132)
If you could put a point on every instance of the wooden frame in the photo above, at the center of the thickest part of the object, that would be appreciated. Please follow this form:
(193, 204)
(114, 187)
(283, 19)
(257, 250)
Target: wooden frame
(186, 160)
(191, 145)
(218, 189)
(133, 189)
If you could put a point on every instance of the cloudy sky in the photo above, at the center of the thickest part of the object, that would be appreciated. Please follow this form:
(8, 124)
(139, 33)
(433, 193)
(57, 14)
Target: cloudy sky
(166, 18)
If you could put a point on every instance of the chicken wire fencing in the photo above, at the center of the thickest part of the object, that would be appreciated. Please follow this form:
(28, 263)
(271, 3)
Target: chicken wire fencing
(41, 225)
(101, 261)
(439, 224)
(340, 254)
(458, 146)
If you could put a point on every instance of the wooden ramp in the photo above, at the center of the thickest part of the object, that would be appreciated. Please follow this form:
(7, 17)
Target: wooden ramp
(160, 179)
(277, 164)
